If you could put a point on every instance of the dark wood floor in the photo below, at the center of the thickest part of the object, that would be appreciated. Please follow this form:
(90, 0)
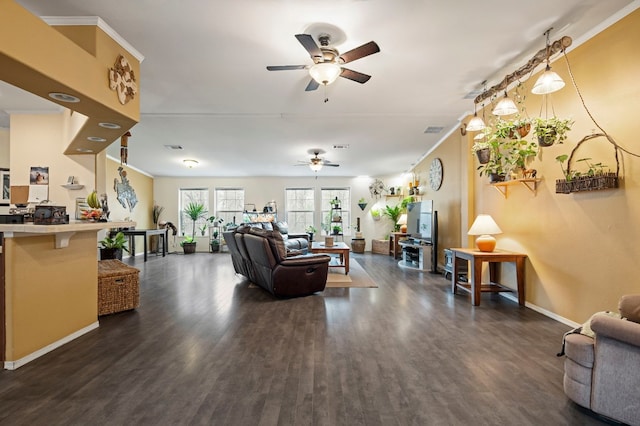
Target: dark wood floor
(204, 348)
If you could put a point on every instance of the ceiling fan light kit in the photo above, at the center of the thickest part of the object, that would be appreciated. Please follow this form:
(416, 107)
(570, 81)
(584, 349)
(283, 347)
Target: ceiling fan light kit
(327, 61)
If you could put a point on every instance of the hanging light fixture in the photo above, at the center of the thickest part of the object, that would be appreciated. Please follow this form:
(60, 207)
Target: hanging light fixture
(316, 167)
(476, 123)
(549, 81)
(505, 106)
(325, 72)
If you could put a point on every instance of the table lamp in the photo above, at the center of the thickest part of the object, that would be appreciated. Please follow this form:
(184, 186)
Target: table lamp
(403, 223)
(484, 226)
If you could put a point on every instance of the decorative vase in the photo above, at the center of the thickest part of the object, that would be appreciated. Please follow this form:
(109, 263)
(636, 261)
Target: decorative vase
(310, 236)
(483, 155)
(357, 245)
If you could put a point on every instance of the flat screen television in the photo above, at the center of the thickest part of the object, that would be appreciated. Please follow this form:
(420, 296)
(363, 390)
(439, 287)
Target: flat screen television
(420, 220)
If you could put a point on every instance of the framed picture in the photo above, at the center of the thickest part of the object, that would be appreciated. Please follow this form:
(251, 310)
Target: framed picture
(6, 187)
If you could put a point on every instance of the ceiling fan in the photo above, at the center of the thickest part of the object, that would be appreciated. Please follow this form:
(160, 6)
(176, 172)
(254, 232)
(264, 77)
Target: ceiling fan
(316, 163)
(327, 61)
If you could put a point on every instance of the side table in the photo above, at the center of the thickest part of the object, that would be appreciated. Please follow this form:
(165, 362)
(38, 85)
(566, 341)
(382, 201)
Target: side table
(475, 285)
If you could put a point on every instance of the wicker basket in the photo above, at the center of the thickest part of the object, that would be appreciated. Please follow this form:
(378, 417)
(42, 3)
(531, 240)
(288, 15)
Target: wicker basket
(589, 183)
(380, 246)
(118, 287)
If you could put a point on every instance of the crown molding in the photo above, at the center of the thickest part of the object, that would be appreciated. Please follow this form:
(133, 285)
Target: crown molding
(94, 21)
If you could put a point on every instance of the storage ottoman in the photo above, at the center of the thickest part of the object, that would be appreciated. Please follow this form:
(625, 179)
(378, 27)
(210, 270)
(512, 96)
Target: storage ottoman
(118, 287)
(380, 246)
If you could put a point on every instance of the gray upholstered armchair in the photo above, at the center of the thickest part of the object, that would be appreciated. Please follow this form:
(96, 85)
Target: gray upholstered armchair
(603, 373)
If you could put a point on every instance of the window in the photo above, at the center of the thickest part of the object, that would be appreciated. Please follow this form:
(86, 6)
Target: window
(229, 204)
(193, 195)
(300, 207)
(344, 196)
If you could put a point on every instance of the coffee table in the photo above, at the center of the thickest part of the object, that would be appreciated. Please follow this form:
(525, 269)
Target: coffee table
(337, 248)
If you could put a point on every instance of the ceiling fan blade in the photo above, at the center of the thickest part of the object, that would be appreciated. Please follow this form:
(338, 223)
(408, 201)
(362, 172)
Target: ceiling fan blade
(355, 75)
(313, 85)
(286, 67)
(310, 45)
(360, 52)
(330, 164)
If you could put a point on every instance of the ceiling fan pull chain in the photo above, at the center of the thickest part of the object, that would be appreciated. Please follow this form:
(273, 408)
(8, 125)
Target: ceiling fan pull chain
(326, 98)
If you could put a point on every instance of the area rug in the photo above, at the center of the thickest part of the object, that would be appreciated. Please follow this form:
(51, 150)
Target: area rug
(357, 278)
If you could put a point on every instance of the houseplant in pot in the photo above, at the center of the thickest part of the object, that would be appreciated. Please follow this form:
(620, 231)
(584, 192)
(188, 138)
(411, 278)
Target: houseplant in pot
(550, 130)
(393, 213)
(311, 230)
(111, 248)
(482, 150)
(193, 211)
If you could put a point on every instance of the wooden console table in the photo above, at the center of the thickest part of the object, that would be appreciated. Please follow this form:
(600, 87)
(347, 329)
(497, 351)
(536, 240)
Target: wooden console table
(394, 243)
(475, 258)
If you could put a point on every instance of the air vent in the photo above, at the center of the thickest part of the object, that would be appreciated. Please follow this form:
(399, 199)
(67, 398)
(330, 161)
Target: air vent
(175, 147)
(434, 129)
(343, 146)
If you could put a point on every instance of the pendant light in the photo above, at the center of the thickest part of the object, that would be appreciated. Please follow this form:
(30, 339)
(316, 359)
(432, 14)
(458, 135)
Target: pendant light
(506, 106)
(476, 123)
(549, 81)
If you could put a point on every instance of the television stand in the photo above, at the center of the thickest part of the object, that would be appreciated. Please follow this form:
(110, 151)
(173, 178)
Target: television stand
(413, 256)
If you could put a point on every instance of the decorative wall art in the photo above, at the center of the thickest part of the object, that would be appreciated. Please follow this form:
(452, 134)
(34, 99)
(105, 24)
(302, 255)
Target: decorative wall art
(38, 184)
(376, 188)
(124, 192)
(123, 80)
(6, 187)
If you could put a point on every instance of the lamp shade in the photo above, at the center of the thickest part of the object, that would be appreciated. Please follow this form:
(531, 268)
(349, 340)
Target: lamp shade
(548, 82)
(505, 106)
(475, 124)
(485, 226)
(402, 221)
(325, 72)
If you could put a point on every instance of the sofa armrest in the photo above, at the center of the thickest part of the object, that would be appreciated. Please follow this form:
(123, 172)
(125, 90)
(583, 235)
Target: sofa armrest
(305, 236)
(306, 259)
(618, 329)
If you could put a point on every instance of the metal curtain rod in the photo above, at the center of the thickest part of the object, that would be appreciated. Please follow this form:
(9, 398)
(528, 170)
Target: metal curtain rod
(555, 47)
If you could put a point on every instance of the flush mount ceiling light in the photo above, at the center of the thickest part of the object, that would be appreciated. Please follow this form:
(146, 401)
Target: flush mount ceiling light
(84, 150)
(190, 163)
(506, 106)
(96, 139)
(108, 125)
(325, 72)
(549, 81)
(64, 97)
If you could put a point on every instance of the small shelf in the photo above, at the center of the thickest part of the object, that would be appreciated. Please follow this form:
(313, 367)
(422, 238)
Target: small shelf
(73, 186)
(530, 184)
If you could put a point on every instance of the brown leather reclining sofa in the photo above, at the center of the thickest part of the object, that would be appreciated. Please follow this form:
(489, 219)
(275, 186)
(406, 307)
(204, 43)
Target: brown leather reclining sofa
(261, 256)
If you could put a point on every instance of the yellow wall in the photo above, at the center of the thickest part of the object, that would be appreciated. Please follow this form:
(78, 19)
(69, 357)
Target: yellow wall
(582, 248)
(51, 293)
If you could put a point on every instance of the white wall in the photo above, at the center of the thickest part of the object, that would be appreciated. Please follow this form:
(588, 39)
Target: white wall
(260, 190)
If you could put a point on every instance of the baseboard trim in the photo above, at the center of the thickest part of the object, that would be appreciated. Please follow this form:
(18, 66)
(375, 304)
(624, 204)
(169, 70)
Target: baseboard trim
(12, 365)
(542, 311)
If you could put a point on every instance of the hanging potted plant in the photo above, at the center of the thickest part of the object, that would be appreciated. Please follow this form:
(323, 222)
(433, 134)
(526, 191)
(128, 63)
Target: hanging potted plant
(376, 214)
(111, 248)
(194, 211)
(550, 130)
(362, 203)
(482, 150)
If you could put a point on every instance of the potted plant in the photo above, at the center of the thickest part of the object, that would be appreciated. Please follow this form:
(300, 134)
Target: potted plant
(215, 242)
(393, 213)
(337, 229)
(482, 150)
(194, 211)
(521, 152)
(111, 248)
(335, 203)
(362, 203)
(550, 130)
(376, 214)
(311, 230)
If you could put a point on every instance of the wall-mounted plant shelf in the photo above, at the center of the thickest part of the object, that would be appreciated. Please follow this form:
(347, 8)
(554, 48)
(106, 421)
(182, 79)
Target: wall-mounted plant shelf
(530, 184)
(73, 186)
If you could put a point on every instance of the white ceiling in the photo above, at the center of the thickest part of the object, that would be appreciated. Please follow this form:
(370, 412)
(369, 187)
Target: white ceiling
(204, 85)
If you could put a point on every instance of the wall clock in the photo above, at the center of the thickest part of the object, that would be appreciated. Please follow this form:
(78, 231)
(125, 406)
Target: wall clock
(435, 174)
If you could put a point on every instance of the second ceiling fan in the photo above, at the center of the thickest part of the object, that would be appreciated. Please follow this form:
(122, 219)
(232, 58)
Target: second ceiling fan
(327, 61)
